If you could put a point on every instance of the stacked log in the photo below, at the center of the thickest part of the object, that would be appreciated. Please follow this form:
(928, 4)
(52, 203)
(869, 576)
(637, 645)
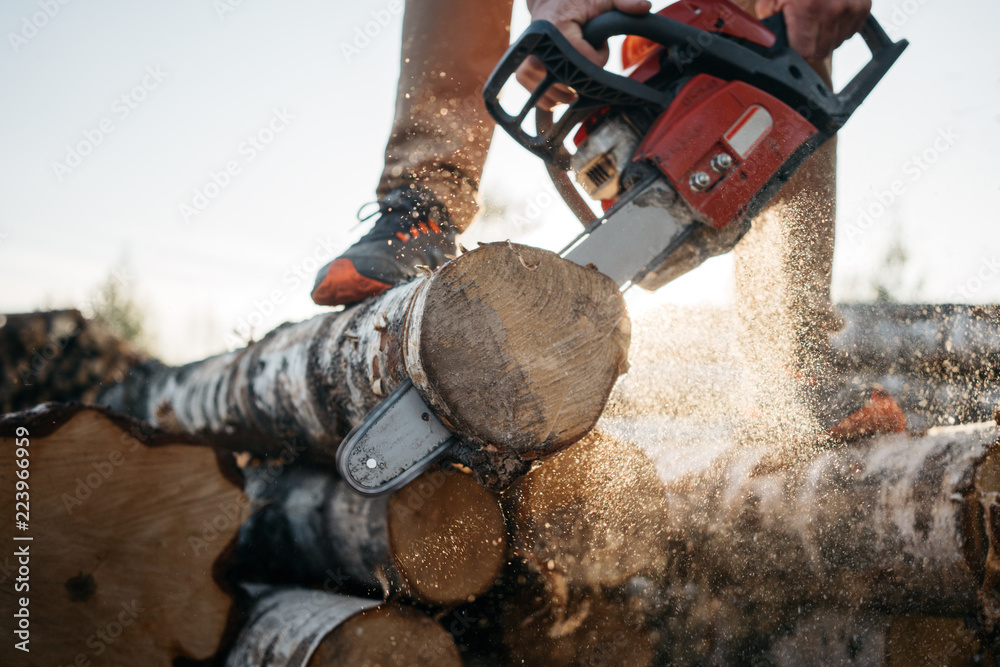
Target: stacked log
(57, 356)
(291, 627)
(117, 534)
(755, 562)
(514, 348)
(938, 361)
(441, 540)
(586, 526)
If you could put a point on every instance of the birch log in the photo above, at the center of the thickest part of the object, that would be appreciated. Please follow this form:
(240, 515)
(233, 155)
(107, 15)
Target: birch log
(592, 516)
(942, 341)
(291, 627)
(513, 347)
(124, 530)
(741, 548)
(865, 638)
(440, 540)
(896, 524)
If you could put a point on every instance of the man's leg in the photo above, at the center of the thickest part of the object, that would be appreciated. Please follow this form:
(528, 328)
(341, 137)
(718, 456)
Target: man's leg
(783, 274)
(435, 154)
(441, 131)
(783, 270)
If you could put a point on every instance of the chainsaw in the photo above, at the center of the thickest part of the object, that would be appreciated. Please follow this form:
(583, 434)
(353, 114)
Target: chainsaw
(715, 116)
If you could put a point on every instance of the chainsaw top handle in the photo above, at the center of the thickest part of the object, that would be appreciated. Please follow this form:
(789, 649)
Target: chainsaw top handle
(781, 72)
(778, 71)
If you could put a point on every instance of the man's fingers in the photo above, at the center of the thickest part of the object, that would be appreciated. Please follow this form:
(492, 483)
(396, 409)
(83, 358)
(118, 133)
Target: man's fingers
(632, 6)
(530, 74)
(569, 16)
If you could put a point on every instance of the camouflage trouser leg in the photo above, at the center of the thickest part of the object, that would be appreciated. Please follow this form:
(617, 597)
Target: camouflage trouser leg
(441, 131)
(783, 267)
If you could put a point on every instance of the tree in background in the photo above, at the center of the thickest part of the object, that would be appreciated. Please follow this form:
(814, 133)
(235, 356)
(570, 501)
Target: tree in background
(113, 303)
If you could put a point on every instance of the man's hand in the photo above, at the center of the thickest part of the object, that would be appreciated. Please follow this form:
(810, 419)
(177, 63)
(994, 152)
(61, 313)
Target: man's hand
(817, 27)
(570, 16)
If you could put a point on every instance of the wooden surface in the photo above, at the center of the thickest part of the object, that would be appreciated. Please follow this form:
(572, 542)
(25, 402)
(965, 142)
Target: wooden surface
(519, 349)
(389, 636)
(447, 537)
(125, 539)
(593, 514)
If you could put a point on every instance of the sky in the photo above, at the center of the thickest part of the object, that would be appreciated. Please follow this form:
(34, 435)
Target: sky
(212, 153)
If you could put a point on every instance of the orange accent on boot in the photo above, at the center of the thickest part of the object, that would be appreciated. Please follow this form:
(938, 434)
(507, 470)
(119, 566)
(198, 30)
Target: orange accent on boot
(343, 284)
(423, 228)
(881, 414)
(434, 226)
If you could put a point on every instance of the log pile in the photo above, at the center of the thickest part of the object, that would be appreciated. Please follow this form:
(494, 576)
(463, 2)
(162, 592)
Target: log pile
(295, 626)
(311, 528)
(658, 538)
(57, 356)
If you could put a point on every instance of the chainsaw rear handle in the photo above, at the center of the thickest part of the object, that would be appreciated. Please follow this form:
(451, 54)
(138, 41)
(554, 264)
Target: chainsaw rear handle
(781, 72)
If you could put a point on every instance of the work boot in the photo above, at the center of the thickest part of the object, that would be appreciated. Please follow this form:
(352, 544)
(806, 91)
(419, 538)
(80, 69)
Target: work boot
(808, 411)
(413, 229)
(859, 411)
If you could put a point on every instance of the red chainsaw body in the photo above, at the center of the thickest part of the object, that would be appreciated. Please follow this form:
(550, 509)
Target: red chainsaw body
(718, 143)
(711, 118)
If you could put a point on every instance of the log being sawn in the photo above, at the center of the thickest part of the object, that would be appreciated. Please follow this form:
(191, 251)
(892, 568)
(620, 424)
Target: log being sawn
(514, 348)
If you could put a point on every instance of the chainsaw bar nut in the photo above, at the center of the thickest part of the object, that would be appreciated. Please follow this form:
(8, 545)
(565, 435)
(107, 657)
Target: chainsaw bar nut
(722, 162)
(699, 181)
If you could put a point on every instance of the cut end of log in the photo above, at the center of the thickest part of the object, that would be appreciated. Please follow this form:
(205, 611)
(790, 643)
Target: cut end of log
(124, 540)
(534, 340)
(593, 513)
(447, 537)
(929, 640)
(589, 629)
(388, 636)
